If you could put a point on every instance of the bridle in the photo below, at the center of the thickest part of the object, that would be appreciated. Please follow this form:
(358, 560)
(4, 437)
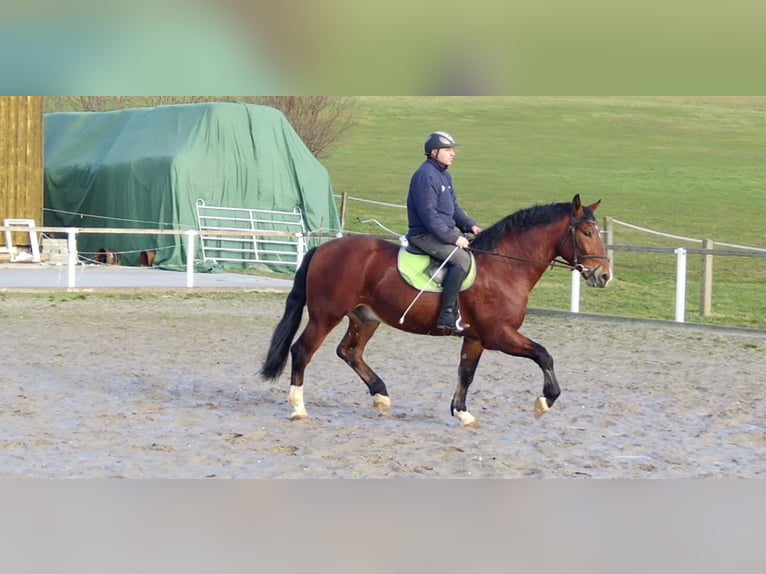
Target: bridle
(576, 251)
(556, 262)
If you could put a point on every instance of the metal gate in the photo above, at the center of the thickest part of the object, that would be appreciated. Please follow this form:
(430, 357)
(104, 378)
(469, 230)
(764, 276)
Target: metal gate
(224, 235)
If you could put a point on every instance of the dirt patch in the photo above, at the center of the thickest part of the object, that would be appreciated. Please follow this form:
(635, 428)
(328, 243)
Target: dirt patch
(165, 384)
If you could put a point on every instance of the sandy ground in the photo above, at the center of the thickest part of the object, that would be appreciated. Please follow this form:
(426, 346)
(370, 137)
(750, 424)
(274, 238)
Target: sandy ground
(164, 384)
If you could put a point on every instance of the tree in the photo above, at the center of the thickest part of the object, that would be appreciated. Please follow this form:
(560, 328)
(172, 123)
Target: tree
(320, 121)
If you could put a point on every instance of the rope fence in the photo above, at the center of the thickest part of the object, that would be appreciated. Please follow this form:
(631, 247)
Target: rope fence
(681, 238)
(191, 236)
(344, 198)
(708, 249)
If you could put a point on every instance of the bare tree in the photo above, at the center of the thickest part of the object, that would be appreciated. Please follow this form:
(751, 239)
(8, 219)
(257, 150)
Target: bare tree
(320, 121)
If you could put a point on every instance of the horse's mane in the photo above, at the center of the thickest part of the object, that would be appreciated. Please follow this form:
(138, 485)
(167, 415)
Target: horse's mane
(521, 221)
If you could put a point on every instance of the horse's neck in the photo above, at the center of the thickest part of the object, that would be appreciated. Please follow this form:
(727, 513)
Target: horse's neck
(537, 245)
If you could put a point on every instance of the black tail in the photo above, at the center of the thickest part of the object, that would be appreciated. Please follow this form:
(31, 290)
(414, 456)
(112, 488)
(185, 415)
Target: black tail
(276, 358)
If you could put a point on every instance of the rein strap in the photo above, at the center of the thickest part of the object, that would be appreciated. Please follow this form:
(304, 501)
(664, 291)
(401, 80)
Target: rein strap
(555, 262)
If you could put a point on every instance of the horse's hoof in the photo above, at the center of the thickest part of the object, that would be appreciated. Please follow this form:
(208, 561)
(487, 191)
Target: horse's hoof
(467, 419)
(541, 407)
(382, 403)
(298, 415)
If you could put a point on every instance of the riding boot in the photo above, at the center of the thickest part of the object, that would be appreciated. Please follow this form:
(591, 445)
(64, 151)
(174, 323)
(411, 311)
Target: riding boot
(451, 292)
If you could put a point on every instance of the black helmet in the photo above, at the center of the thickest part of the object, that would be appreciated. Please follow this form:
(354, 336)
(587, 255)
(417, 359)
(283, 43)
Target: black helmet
(439, 140)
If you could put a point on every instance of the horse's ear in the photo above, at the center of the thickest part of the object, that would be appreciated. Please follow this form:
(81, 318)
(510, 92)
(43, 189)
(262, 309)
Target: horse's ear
(576, 204)
(594, 206)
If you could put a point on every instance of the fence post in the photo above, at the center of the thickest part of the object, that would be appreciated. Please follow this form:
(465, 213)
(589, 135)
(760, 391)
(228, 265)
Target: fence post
(71, 234)
(609, 230)
(575, 298)
(190, 233)
(706, 305)
(343, 204)
(680, 285)
(301, 247)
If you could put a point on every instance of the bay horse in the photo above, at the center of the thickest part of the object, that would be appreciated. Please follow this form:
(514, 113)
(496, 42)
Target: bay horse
(357, 277)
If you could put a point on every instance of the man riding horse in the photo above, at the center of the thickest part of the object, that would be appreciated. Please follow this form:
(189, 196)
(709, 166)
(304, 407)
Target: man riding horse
(436, 221)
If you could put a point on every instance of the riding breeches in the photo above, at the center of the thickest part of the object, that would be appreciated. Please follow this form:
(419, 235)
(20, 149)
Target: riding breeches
(435, 248)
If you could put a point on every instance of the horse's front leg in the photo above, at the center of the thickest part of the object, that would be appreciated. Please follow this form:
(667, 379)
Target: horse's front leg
(551, 390)
(469, 360)
(514, 343)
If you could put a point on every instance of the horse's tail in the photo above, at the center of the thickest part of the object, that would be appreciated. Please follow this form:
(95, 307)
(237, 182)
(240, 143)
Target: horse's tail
(276, 357)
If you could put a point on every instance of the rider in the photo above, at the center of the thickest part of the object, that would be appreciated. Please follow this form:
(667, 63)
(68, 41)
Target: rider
(434, 214)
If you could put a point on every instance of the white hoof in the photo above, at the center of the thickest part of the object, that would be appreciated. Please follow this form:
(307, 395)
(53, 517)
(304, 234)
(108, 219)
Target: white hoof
(382, 404)
(541, 407)
(298, 415)
(467, 419)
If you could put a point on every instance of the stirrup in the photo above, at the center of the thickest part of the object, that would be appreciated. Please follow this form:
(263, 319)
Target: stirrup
(455, 323)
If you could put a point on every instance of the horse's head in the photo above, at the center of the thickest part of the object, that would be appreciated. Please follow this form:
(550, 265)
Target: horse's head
(582, 246)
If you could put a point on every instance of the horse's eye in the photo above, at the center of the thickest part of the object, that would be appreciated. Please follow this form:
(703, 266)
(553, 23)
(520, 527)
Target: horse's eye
(588, 233)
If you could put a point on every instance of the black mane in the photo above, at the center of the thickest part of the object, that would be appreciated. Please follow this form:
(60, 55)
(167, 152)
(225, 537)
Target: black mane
(522, 221)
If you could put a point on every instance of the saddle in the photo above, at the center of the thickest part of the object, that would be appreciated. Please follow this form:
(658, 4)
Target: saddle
(419, 270)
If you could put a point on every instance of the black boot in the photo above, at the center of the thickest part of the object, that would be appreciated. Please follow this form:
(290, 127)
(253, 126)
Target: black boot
(451, 291)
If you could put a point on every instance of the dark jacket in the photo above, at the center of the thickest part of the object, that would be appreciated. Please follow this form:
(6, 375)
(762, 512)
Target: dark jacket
(432, 205)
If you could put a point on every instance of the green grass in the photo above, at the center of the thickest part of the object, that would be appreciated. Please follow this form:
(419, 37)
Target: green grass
(688, 166)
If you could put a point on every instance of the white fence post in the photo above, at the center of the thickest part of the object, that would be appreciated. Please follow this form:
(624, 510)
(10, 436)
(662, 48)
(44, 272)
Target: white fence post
(706, 294)
(71, 255)
(680, 285)
(575, 299)
(609, 230)
(301, 249)
(190, 257)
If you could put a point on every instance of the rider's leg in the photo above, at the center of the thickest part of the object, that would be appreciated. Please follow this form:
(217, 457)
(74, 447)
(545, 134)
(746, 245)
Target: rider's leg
(458, 266)
(451, 291)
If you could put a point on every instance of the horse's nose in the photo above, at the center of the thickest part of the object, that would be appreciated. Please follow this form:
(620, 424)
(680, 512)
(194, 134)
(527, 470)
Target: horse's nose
(605, 278)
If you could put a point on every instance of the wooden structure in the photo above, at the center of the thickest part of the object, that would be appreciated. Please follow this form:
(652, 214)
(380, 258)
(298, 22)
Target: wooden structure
(21, 161)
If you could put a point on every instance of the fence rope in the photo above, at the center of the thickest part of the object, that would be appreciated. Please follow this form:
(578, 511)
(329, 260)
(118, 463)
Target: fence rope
(681, 238)
(379, 224)
(652, 232)
(399, 206)
(735, 246)
(617, 221)
(181, 225)
(370, 201)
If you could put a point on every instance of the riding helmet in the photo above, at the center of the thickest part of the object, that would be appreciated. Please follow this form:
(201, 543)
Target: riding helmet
(439, 140)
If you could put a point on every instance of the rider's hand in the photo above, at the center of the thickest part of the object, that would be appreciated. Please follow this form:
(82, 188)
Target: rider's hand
(476, 229)
(462, 242)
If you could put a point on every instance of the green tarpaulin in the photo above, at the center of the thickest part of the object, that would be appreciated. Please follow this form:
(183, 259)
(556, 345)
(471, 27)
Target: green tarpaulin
(146, 168)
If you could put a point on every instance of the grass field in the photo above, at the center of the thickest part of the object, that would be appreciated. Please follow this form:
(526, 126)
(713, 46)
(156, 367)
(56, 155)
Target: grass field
(693, 167)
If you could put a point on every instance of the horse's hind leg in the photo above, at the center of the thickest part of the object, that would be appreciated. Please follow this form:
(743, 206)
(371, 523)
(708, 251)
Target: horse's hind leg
(469, 360)
(361, 327)
(302, 352)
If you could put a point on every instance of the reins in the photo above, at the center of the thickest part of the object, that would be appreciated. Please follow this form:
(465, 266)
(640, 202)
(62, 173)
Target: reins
(552, 263)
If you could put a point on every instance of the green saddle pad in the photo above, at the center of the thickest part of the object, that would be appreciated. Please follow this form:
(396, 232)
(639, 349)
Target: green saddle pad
(414, 270)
